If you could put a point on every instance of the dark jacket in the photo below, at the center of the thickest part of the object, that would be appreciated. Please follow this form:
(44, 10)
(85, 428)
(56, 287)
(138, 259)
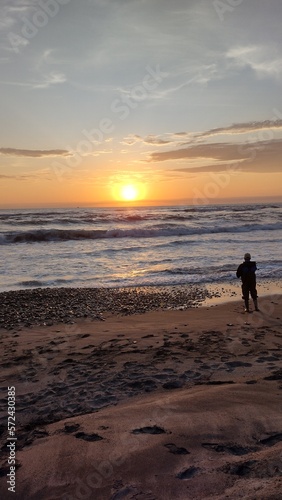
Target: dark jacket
(246, 271)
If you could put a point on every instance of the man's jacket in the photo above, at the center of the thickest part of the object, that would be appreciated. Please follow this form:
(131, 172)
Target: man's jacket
(246, 271)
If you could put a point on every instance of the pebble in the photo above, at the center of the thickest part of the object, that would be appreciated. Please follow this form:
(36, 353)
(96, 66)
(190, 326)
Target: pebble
(50, 306)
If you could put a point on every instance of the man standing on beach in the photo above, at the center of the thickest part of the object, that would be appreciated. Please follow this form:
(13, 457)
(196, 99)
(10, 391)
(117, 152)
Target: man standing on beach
(247, 272)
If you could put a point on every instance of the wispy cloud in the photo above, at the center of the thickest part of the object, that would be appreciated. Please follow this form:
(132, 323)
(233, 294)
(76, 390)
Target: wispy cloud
(218, 151)
(6, 22)
(263, 60)
(260, 157)
(243, 128)
(34, 153)
(156, 140)
(254, 131)
(10, 18)
(131, 139)
(46, 82)
(25, 177)
(53, 78)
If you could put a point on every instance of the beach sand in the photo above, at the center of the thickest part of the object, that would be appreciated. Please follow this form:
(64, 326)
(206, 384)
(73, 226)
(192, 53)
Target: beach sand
(172, 404)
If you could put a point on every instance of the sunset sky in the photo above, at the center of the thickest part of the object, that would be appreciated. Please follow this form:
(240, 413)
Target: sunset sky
(181, 100)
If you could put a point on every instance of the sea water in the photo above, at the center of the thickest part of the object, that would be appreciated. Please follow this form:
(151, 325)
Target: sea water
(117, 247)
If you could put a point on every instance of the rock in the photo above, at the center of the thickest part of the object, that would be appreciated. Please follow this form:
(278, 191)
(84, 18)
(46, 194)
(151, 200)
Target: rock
(49, 306)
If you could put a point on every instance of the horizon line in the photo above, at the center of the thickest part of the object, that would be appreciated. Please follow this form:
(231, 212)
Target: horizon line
(147, 203)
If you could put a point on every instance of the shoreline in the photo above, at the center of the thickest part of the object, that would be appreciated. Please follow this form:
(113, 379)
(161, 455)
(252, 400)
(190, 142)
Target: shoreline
(48, 306)
(222, 292)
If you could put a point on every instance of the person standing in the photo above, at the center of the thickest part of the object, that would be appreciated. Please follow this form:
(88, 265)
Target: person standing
(247, 272)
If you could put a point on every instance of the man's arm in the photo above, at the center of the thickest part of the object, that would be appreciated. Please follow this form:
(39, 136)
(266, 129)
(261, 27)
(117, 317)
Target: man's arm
(239, 271)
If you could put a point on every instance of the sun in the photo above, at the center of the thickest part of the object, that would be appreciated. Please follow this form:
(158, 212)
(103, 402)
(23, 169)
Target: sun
(129, 192)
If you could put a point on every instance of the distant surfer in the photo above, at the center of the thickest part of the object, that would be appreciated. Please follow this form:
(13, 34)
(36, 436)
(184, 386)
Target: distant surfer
(247, 272)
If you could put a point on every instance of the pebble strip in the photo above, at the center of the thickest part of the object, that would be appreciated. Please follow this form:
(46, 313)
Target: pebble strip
(48, 306)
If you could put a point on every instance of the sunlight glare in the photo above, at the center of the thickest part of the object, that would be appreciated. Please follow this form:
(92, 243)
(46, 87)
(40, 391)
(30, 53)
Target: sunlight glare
(129, 192)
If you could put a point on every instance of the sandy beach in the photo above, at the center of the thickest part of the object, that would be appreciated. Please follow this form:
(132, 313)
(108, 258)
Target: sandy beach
(172, 403)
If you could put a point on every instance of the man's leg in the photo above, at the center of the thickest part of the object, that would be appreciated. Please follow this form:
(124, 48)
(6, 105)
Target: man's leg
(245, 293)
(254, 296)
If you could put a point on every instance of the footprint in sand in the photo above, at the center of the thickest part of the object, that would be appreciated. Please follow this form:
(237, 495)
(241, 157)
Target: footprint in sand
(276, 375)
(172, 448)
(232, 449)
(88, 437)
(219, 382)
(236, 364)
(272, 440)
(132, 492)
(173, 384)
(149, 430)
(242, 469)
(71, 427)
(188, 473)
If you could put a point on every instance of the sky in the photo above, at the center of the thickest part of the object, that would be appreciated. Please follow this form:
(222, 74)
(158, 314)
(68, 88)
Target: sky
(179, 100)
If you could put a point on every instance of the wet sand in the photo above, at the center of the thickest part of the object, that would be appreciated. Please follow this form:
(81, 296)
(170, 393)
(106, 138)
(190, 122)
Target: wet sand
(169, 404)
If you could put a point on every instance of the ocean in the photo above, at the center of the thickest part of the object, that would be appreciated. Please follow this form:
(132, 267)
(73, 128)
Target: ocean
(121, 247)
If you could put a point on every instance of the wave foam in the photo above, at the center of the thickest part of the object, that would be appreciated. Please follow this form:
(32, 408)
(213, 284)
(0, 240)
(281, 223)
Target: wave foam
(48, 235)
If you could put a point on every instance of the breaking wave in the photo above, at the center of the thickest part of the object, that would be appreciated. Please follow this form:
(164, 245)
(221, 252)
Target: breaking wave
(160, 230)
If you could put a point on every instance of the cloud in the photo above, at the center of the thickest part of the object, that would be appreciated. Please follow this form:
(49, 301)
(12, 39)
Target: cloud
(6, 22)
(152, 139)
(243, 128)
(16, 84)
(34, 153)
(180, 134)
(257, 132)
(260, 157)
(53, 78)
(131, 139)
(207, 169)
(26, 177)
(46, 82)
(155, 140)
(265, 61)
(20, 173)
(10, 18)
(218, 151)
